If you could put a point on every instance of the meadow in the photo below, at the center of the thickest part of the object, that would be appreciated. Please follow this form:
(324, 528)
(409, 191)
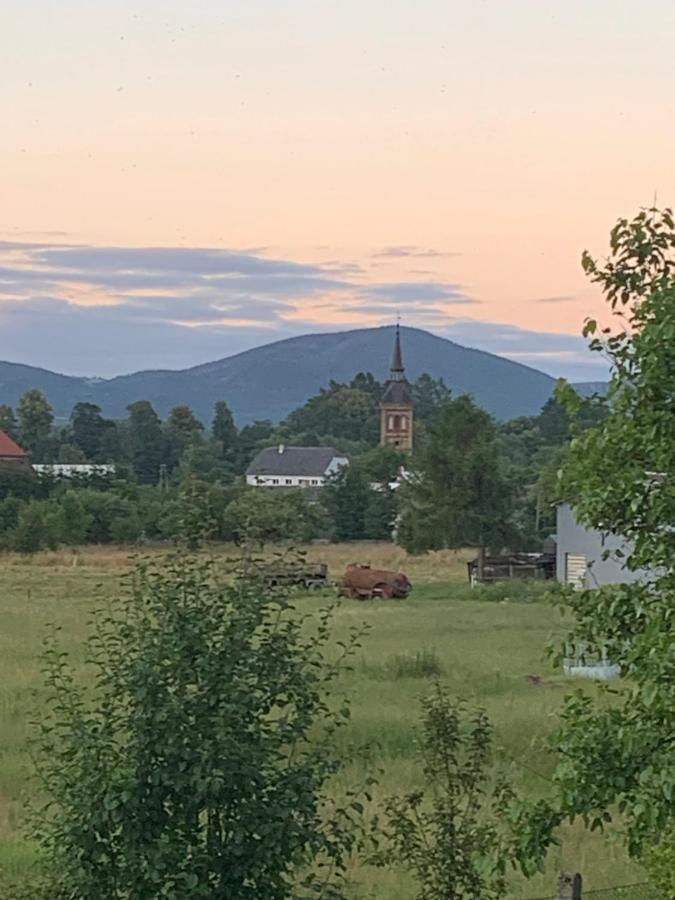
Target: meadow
(486, 646)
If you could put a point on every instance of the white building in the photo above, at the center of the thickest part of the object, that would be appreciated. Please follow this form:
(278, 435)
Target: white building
(288, 467)
(74, 470)
(587, 558)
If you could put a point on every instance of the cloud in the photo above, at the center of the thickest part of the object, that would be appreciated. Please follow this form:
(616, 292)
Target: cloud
(563, 298)
(402, 251)
(418, 291)
(108, 310)
(560, 355)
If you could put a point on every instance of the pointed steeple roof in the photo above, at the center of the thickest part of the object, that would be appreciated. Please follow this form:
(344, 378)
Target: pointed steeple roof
(397, 370)
(397, 390)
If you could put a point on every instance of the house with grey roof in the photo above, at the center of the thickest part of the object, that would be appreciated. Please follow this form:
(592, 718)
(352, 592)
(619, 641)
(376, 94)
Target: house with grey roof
(294, 467)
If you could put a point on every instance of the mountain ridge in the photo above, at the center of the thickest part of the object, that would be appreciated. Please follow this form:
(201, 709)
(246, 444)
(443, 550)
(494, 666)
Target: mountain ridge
(269, 381)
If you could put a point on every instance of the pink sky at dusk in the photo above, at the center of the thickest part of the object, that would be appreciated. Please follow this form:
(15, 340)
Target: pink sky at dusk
(470, 149)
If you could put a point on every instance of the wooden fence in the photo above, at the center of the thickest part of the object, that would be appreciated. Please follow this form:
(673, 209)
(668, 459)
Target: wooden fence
(570, 887)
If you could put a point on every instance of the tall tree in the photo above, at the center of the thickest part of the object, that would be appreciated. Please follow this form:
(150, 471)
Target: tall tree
(144, 432)
(35, 422)
(182, 430)
(223, 428)
(250, 439)
(429, 394)
(457, 496)
(8, 422)
(88, 428)
(620, 478)
(346, 497)
(341, 411)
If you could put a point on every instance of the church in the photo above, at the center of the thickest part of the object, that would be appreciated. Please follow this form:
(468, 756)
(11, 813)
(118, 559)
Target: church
(396, 405)
(310, 467)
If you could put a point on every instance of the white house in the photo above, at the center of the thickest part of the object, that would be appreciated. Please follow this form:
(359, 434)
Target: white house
(287, 467)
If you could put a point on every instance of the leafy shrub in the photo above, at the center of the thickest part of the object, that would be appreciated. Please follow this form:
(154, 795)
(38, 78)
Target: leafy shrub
(456, 838)
(188, 770)
(660, 862)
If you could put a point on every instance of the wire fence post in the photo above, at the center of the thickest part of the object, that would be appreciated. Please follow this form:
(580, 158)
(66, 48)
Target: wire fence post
(569, 886)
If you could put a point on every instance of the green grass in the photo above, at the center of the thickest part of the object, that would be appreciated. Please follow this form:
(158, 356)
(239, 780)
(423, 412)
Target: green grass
(482, 645)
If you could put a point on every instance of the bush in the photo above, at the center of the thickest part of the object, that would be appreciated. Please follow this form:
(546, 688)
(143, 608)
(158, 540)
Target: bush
(35, 529)
(457, 838)
(188, 771)
(660, 863)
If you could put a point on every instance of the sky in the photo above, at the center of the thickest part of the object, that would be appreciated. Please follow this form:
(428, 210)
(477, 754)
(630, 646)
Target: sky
(180, 182)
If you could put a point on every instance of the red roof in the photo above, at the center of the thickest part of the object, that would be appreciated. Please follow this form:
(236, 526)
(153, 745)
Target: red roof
(9, 449)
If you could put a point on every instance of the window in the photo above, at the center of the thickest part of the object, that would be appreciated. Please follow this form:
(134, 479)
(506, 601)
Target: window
(289, 481)
(404, 423)
(390, 425)
(275, 481)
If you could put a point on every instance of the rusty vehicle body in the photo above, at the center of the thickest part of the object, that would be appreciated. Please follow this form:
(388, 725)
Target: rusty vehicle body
(310, 576)
(364, 583)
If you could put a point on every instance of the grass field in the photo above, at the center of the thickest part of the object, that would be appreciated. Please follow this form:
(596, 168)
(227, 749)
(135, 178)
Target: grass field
(485, 649)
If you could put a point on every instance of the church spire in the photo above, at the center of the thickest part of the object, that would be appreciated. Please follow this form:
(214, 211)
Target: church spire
(396, 405)
(397, 369)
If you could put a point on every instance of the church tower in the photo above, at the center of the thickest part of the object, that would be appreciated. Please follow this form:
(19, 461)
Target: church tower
(396, 406)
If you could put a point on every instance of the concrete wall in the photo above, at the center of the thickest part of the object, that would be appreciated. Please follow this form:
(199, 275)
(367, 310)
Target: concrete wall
(577, 540)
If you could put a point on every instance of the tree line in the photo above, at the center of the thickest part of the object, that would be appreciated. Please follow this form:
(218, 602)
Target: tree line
(471, 480)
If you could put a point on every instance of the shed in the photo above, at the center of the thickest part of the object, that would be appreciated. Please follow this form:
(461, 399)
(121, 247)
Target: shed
(580, 555)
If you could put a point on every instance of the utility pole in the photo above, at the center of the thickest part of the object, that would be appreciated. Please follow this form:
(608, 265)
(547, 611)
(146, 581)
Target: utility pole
(569, 886)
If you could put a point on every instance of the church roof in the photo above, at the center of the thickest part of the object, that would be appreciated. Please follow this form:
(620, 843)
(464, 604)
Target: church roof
(397, 393)
(309, 461)
(397, 358)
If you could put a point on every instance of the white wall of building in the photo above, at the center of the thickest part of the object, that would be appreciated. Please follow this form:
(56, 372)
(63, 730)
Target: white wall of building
(285, 480)
(301, 481)
(68, 470)
(580, 553)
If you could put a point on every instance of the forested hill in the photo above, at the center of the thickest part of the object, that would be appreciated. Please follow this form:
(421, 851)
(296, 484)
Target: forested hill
(271, 381)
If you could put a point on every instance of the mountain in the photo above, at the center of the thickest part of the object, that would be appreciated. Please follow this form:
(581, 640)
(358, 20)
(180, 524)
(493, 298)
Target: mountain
(588, 388)
(270, 381)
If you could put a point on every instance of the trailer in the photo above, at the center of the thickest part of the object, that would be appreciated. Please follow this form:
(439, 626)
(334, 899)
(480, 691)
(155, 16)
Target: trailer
(310, 576)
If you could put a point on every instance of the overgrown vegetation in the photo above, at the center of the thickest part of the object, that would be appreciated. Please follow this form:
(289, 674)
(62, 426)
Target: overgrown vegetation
(459, 834)
(197, 764)
(619, 757)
